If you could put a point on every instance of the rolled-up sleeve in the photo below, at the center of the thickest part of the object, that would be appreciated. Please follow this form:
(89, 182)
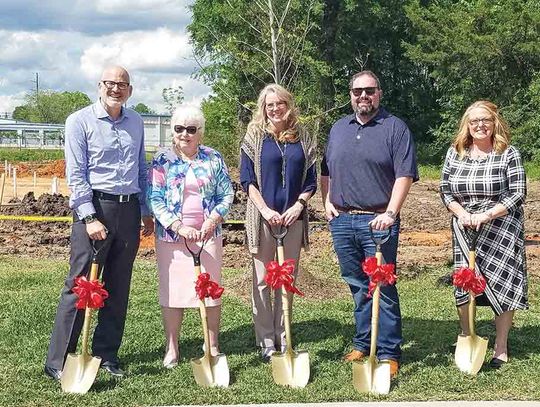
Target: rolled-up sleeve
(76, 154)
(247, 172)
(310, 183)
(224, 195)
(517, 184)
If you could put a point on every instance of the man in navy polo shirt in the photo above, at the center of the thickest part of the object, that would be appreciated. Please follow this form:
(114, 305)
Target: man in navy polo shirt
(366, 173)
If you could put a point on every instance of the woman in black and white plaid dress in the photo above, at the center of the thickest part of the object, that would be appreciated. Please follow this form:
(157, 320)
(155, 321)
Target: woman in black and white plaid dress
(483, 185)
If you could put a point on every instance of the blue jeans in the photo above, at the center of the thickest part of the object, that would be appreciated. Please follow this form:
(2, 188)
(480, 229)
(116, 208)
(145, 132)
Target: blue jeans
(352, 244)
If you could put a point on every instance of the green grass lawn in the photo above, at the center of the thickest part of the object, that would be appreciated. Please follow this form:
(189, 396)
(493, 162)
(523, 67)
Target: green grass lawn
(30, 154)
(28, 297)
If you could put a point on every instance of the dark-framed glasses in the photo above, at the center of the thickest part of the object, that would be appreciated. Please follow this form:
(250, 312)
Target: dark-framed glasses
(370, 91)
(190, 129)
(112, 84)
(486, 120)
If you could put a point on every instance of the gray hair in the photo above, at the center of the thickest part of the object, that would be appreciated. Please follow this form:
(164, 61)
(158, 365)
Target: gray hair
(188, 112)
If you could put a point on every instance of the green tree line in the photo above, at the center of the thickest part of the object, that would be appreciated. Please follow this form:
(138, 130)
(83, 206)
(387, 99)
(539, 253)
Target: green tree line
(434, 58)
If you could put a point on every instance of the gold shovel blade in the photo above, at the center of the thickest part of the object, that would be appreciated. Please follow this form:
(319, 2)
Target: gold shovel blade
(290, 369)
(470, 353)
(79, 373)
(212, 371)
(371, 376)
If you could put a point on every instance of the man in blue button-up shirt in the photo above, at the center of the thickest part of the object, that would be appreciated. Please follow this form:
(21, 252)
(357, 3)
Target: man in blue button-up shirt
(106, 173)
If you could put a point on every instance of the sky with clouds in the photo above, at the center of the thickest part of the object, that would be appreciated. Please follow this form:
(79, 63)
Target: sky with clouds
(69, 42)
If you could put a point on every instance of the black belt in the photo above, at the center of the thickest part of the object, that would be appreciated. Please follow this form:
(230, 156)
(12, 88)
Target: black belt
(116, 198)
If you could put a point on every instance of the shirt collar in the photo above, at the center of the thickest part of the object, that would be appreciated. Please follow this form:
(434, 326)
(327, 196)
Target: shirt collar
(101, 113)
(379, 117)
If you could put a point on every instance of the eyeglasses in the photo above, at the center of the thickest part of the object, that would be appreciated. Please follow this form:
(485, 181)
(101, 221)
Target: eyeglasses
(485, 120)
(112, 84)
(274, 106)
(370, 91)
(190, 129)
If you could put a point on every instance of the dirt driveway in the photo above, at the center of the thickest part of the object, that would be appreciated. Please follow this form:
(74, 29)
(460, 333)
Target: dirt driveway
(425, 238)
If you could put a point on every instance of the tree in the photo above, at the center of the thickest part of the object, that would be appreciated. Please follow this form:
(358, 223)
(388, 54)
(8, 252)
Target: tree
(142, 108)
(480, 50)
(173, 97)
(312, 47)
(50, 107)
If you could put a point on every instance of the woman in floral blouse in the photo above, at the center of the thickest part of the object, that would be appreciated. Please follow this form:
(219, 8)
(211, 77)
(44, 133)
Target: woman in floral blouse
(190, 193)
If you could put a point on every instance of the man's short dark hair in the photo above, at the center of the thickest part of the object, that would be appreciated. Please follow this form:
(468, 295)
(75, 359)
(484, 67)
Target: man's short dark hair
(364, 73)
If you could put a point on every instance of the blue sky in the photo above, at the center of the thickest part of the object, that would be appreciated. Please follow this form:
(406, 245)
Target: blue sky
(69, 42)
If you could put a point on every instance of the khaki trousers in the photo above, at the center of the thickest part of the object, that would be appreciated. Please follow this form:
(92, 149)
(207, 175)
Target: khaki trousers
(268, 317)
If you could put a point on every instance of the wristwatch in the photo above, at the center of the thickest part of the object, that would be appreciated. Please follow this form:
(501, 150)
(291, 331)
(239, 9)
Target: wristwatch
(89, 218)
(391, 214)
(303, 202)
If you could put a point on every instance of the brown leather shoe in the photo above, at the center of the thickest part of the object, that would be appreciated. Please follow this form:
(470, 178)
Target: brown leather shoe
(394, 367)
(354, 355)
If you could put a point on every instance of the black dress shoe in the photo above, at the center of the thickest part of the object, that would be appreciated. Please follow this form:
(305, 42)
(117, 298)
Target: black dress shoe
(496, 363)
(53, 373)
(113, 369)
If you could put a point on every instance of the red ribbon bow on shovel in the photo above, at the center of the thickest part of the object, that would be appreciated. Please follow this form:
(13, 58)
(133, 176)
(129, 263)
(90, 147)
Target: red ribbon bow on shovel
(383, 274)
(468, 280)
(204, 287)
(91, 293)
(281, 276)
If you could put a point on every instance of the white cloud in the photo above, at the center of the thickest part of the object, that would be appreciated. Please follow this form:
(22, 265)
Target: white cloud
(69, 42)
(159, 50)
(10, 102)
(120, 6)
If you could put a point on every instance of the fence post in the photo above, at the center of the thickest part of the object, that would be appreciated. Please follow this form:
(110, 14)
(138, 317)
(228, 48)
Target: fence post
(14, 182)
(2, 185)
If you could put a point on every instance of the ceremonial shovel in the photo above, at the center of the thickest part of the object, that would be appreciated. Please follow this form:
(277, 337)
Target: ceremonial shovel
(373, 376)
(471, 349)
(80, 371)
(289, 368)
(209, 371)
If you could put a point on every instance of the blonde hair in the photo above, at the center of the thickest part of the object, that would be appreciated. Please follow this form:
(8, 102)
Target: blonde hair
(260, 122)
(501, 131)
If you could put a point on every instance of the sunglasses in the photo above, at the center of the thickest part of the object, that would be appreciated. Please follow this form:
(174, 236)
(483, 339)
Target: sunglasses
(190, 129)
(370, 91)
(112, 84)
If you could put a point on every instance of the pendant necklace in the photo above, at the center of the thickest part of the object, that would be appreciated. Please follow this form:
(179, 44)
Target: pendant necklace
(283, 161)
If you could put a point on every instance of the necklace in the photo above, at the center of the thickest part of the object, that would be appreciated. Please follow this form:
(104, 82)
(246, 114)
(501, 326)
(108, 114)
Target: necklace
(283, 161)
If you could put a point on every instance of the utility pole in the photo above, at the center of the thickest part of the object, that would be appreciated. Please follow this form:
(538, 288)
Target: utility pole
(36, 81)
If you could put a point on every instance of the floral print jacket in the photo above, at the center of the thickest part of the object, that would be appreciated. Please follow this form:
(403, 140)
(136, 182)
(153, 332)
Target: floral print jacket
(166, 187)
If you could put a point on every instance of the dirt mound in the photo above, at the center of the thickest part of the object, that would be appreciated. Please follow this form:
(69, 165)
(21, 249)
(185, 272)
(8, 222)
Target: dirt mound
(53, 168)
(45, 205)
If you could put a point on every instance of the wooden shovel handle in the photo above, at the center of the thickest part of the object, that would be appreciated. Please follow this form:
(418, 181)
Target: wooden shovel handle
(88, 313)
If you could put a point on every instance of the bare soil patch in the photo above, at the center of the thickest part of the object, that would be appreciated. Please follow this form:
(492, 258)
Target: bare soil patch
(425, 239)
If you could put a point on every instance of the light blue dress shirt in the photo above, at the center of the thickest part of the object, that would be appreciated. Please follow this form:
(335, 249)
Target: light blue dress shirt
(105, 155)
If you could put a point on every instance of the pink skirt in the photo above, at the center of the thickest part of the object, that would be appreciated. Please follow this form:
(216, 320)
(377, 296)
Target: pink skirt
(177, 273)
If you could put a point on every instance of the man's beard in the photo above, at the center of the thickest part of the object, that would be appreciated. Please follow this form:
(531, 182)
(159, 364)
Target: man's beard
(364, 110)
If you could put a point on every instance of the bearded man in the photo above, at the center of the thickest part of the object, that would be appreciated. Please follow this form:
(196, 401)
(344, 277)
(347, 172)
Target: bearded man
(366, 173)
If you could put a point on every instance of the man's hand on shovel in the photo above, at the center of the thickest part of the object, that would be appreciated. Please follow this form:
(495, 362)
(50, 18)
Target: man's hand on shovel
(96, 230)
(383, 221)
